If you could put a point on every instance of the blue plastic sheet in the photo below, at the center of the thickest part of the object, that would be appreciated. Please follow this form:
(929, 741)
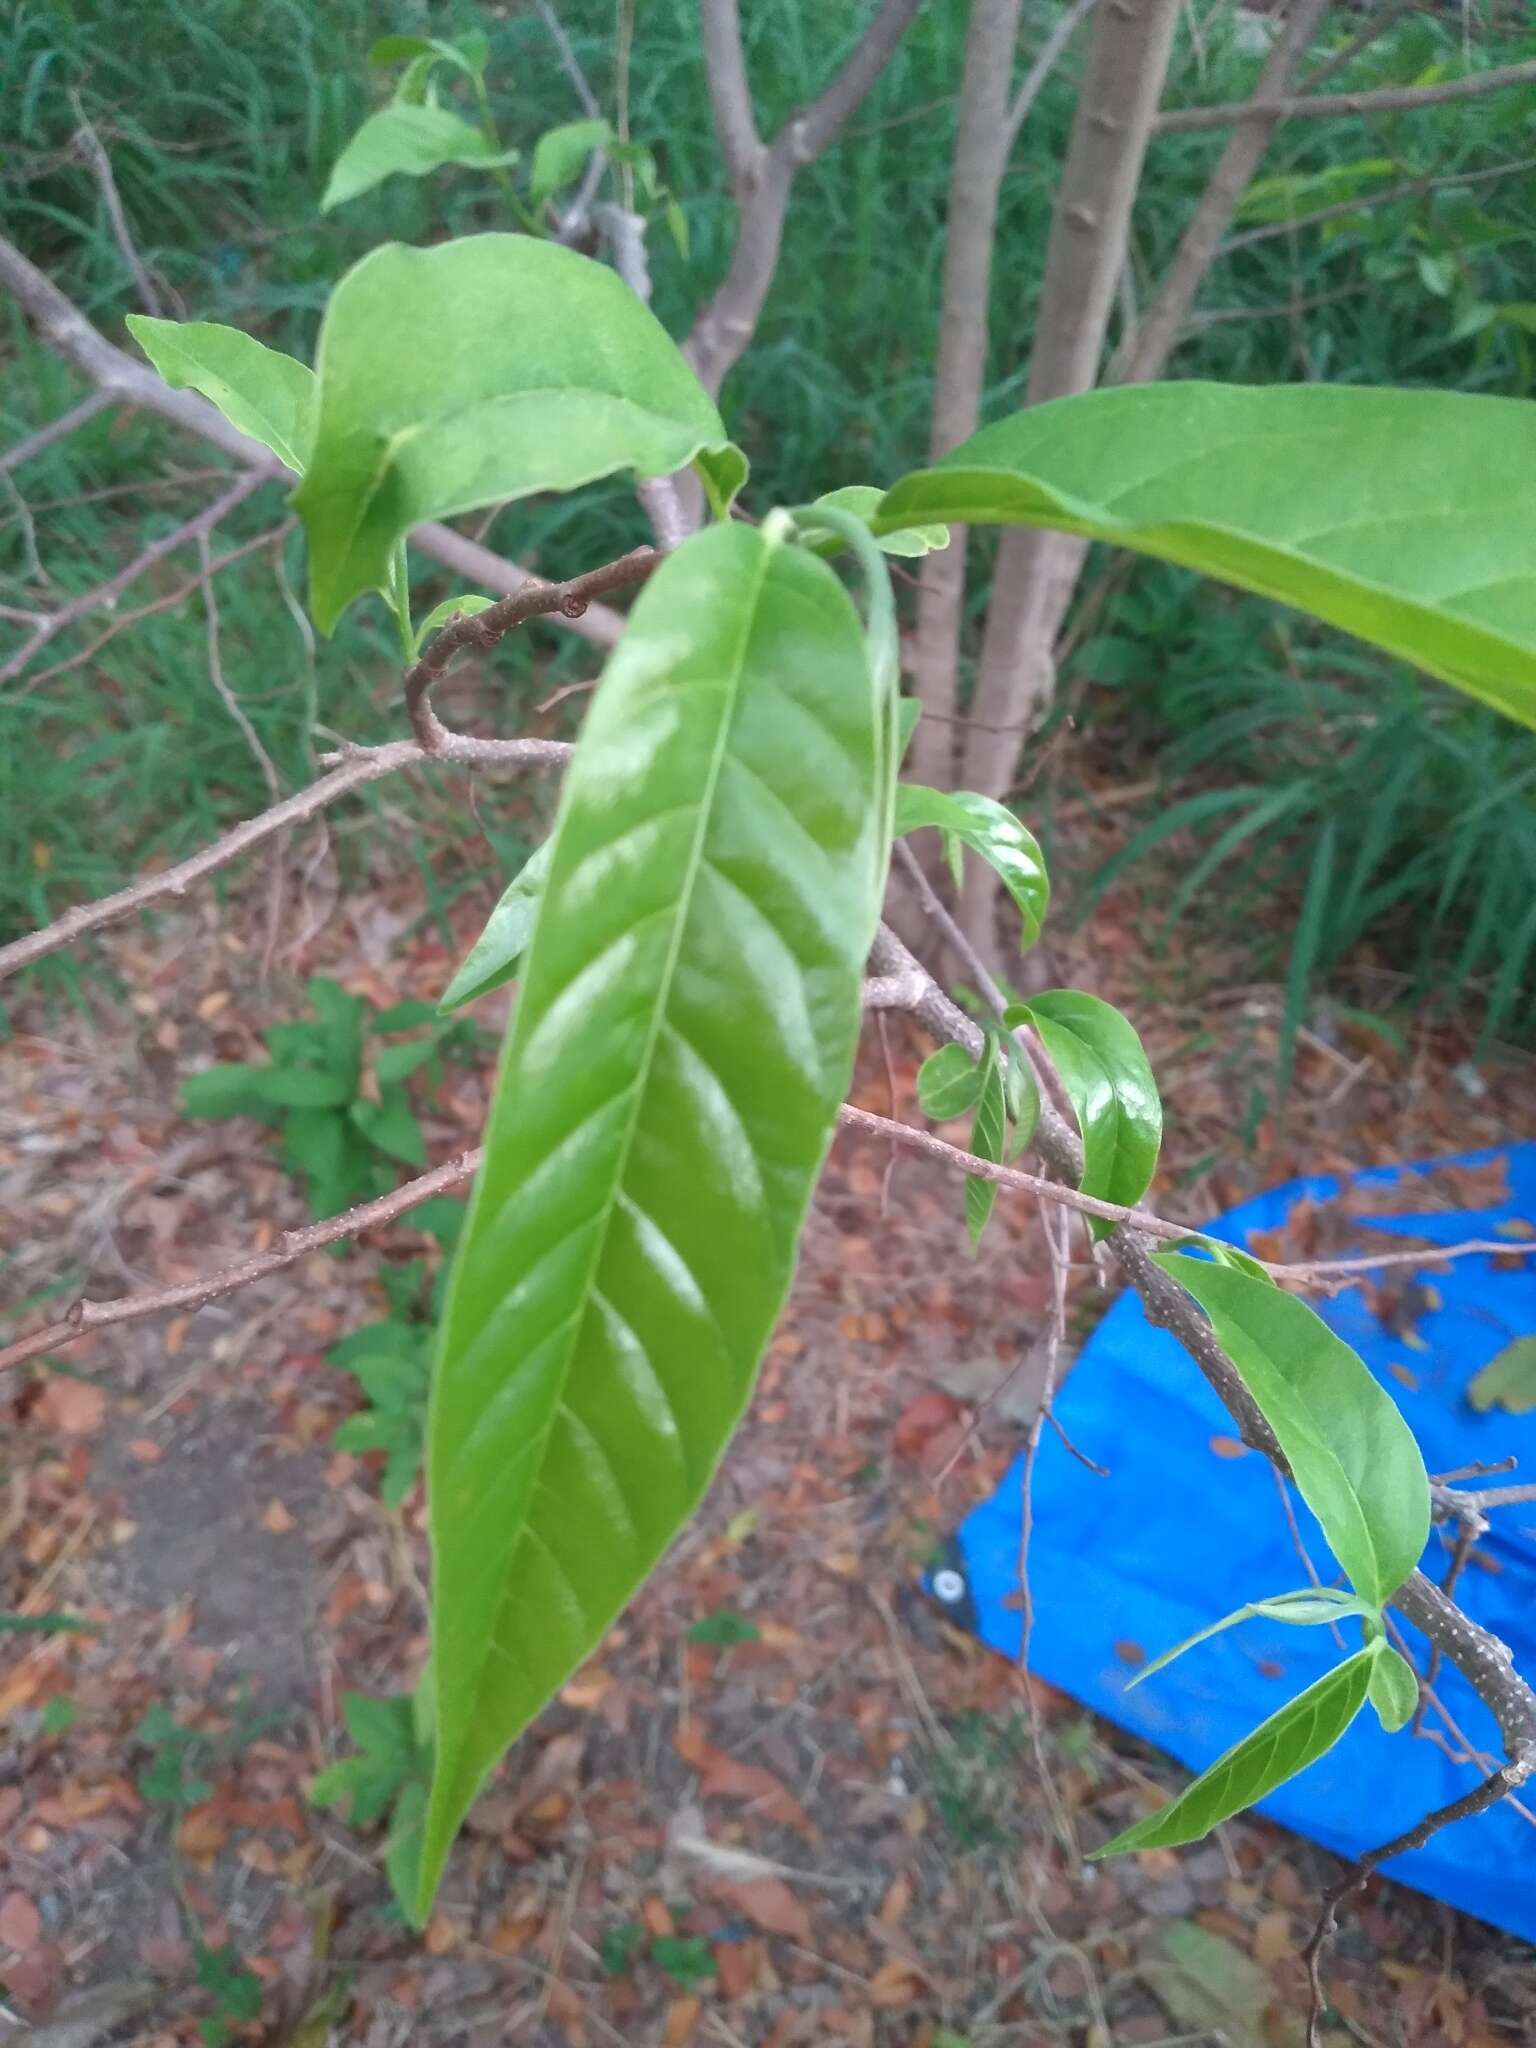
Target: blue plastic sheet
(1177, 1536)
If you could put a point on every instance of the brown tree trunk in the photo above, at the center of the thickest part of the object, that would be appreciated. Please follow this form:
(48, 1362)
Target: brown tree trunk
(1148, 349)
(1036, 571)
(976, 175)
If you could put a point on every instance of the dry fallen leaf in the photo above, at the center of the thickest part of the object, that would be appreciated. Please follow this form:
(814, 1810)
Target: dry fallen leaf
(21, 1928)
(894, 1983)
(75, 1407)
(768, 1903)
(1272, 1939)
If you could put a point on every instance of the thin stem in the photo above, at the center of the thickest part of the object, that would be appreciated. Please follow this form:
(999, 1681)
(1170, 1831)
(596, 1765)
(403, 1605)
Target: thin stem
(400, 603)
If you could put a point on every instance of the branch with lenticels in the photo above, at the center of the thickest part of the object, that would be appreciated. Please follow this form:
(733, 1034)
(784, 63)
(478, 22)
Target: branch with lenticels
(1483, 1659)
(897, 981)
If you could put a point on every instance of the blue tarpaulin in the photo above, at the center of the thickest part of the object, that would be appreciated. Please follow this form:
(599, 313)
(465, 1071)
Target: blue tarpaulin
(1178, 1535)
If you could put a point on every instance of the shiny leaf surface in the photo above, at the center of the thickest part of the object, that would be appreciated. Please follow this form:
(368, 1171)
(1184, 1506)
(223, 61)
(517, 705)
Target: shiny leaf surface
(990, 829)
(473, 373)
(1293, 1737)
(1354, 1459)
(1403, 516)
(683, 1038)
(261, 391)
(493, 959)
(1107, 1078)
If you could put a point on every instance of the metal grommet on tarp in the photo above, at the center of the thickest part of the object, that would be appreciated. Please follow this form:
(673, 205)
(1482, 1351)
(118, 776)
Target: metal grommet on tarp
(1189, 1526)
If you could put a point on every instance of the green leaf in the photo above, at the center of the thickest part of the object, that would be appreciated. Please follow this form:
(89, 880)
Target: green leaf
(403, 1851)
(300, 1088)
(1313, 1607)
(1403, 516)
(1354, 1459)
(493, 959)
(560, 155)
(1394, 1691)
(949, 1082)
(46, 1624)
(1296, 1735)
(684, 1037)
(988, 1132)
(909, 711)
(724, 1629)
(228, 1090)
(392, 1125)
(1109, 1083)
(861, 500)
(385, 1727)
(991, 830)
(259, 390)
(722, 471)
(549, 374)
(688, 1958)
(616, 1950)
(395, 1062)
(1507, 1380)
(470, 605)
(236, 1990)
(1022, 1093)
(412, 139)
(1285, 198)
(315, 1142)
(342, 1017)
(407, 1016)
(470, 52)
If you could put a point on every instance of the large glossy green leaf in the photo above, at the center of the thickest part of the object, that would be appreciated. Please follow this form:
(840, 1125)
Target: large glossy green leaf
(1354, 1459)
(1109, 1082)
(1293, 1737)
(493, 959)
(413, 139)
(990, 829)
(264, 393)
(475, 372)
(684, 1036)
(1402, 516)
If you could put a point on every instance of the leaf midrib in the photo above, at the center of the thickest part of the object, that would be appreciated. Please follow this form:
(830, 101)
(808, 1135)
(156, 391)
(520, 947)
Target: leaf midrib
(642, 1073)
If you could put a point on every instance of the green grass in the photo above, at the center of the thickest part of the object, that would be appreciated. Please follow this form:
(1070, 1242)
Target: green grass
(222, 119)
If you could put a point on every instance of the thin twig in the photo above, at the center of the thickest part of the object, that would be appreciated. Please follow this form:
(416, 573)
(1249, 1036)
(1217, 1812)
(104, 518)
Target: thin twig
(62, 327)
(1008, 1176)
(56, 430)
(1494, 1787)
(484, 629)
(1412, 188)
(359, 766)
(82, 1317)
(220, 682)
(1050, 52)
(1056, 1228)
(91, 152)
(1328, 106)
(106, 593)
(168, 602)
(1377, 21)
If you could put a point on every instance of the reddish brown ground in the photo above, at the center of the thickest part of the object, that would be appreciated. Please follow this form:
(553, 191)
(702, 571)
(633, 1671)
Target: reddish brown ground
(912, 1888)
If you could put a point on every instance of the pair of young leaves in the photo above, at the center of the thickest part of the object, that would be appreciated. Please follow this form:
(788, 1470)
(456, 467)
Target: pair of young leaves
(685, 1027)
